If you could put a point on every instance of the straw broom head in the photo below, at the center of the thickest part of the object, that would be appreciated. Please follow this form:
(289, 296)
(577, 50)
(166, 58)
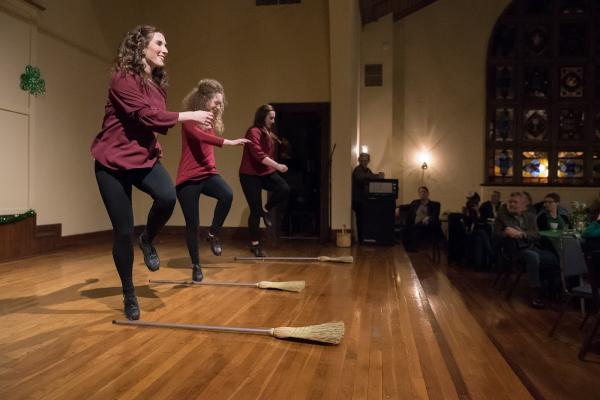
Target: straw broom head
(290, 286)
(343, 259)
(330, 332)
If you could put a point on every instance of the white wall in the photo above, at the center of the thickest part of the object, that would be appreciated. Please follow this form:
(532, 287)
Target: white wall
(376, 103)
(14, 114)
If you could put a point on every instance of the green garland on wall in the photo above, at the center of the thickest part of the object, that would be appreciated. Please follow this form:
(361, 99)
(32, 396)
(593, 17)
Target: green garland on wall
(32, 82)
(9, 219)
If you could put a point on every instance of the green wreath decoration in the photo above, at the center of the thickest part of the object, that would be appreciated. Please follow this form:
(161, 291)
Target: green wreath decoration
(32, 82)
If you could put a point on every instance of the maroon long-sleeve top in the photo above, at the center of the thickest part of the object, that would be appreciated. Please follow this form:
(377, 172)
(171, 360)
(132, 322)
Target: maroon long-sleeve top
(260, 147)
(197, 153)
(134, 114)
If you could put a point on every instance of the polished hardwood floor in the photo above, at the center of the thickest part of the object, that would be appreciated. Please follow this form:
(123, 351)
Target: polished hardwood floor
(548, 366)
(409, 334)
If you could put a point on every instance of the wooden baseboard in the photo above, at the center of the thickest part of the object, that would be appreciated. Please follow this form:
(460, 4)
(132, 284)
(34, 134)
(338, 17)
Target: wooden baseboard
(25, 238)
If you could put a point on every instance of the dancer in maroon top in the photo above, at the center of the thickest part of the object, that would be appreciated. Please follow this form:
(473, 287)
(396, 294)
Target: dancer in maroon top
(127, 151)
(258, 171)
(197, 173)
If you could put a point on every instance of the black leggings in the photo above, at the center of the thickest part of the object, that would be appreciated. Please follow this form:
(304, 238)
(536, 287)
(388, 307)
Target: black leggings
(252, 186)
(115, 188)
(188, 194)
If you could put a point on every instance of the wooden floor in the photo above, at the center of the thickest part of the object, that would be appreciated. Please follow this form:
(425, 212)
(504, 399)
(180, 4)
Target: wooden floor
(548, 367)
(403, 340)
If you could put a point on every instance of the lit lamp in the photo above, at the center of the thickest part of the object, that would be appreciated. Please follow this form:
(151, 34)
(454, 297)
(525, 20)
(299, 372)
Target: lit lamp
(423, 158)
(364, 149)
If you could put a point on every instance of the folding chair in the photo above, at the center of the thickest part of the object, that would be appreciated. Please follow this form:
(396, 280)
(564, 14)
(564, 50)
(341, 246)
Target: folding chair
(573, 264)
(593, 263)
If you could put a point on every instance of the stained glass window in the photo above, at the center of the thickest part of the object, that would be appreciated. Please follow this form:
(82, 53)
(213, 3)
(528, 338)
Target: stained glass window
(537, 82)
(504, 83)
(570, 164)
(534, 7)
(596, 166)
(597, 74)
(573, 40)
(537, 40)
(573, 7)
(571, 123)
(503, 163)
(543, 94)
(535, 125)
(535, 166)
(571, 82)
(505, 124)
(503, 42)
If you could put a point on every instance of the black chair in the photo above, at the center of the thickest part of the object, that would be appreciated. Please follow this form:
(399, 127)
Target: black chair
(593, 262)
(574, 266)
(456, 237)
(508, 263)
(401, 221)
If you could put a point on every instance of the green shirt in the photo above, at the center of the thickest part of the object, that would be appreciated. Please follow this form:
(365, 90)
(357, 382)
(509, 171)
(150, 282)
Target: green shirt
(592, 230)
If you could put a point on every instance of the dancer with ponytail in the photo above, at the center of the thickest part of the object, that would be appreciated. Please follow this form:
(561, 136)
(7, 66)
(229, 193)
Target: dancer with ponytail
(258, 171)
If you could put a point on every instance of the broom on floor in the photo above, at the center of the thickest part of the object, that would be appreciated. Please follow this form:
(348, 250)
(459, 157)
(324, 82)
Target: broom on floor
(343, 259)
(330, 332)
(289, 286)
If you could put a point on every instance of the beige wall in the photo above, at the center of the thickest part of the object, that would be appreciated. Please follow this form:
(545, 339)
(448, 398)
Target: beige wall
(440, 96)
(14, 114)
(67, 42)
(344, 32)
(376, 103)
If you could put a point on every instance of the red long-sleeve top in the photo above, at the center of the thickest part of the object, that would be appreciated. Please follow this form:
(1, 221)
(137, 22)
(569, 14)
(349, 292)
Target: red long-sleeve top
(197, 153)
(260, 146)
(134, 114)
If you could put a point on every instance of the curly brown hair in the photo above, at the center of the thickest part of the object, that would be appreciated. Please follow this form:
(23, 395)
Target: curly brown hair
(130, 57)
(200, 95)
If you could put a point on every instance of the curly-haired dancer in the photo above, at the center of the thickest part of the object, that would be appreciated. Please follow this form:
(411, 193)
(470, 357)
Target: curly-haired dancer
(127, 151)
(197, 173)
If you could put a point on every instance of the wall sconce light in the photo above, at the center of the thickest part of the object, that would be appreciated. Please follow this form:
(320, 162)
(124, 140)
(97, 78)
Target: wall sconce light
(364, 149)
(423, 159)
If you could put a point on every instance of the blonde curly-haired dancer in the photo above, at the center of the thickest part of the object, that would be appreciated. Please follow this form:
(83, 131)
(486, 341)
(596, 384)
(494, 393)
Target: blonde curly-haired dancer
(197, 173)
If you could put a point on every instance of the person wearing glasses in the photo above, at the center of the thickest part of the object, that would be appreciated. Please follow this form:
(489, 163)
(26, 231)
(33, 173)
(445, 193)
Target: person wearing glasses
(550, 218)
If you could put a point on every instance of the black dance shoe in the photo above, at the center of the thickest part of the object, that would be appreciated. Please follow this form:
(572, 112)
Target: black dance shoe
(267, 219)
(131, 307)
(215, 245)
(197, 274)
(150, 256)
(257, 250)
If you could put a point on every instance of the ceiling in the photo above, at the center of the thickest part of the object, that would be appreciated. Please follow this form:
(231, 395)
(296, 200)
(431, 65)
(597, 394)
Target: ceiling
(372, 10)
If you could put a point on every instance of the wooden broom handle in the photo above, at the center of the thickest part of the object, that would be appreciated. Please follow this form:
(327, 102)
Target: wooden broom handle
(232, 329)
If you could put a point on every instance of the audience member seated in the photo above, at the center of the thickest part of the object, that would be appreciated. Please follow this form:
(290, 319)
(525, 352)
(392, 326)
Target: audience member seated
(550, 217)
(471, 215)
(478, 246)
(359, 175)
(489, 209)
(423, 221)
(521, 237)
